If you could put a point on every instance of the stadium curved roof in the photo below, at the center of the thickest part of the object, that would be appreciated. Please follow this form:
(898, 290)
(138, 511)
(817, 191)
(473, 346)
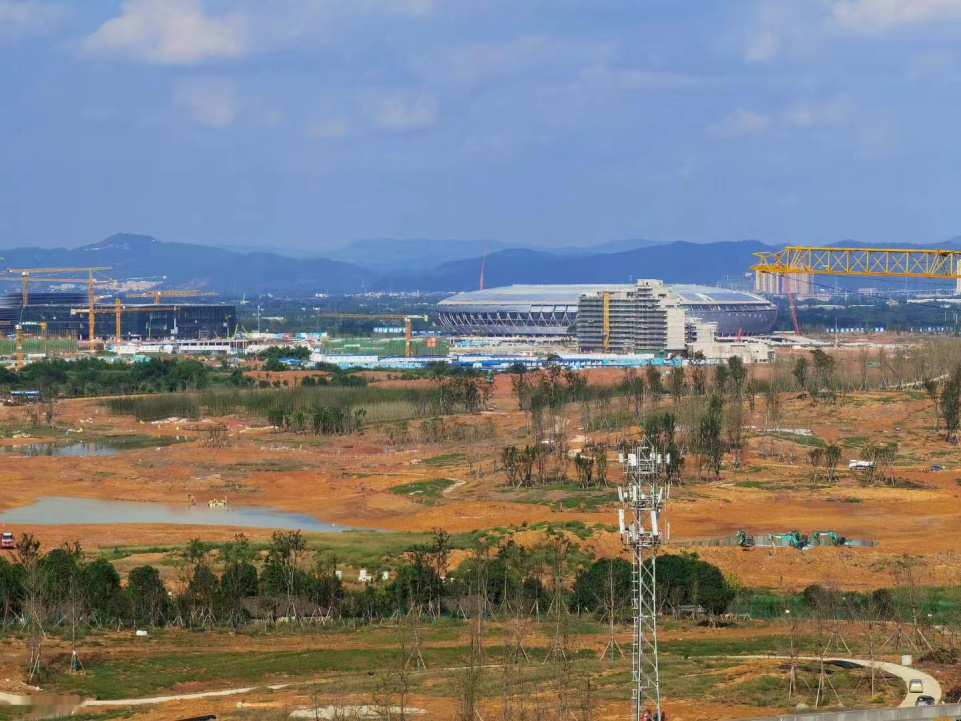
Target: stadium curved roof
(524, 297)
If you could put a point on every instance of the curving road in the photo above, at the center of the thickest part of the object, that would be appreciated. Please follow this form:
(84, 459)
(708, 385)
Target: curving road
(930, 685)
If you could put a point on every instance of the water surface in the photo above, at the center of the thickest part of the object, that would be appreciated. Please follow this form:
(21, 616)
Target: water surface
(80, 448)
(60, 511)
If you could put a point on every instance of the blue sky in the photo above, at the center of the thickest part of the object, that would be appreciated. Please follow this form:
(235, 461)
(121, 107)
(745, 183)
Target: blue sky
(304, 124)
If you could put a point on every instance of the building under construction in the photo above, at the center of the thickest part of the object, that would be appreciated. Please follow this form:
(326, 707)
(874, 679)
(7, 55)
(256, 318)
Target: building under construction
(646, 317)
(65, 314)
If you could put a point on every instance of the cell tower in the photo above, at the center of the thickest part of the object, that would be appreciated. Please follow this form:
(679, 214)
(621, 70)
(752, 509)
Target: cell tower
(644, 496)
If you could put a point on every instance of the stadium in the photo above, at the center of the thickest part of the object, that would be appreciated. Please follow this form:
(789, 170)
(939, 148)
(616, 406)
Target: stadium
(551, 310)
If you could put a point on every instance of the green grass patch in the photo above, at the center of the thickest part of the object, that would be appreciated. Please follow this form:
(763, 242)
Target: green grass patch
(810, 441)
(447, 459)
(146, 676)
(854, 441)
(425, 491)
(756, 485)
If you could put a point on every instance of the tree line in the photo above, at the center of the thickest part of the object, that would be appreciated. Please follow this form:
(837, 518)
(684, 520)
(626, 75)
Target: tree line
(240, 584)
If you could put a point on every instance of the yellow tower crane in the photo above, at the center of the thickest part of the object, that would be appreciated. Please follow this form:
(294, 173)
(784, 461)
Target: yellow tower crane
(408, 324)
(28, 275)
(158, 294)
(43, 275)
(117, 309)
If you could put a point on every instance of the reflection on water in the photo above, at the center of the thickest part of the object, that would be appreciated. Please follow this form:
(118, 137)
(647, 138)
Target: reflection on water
(57, 511)
(81, 448)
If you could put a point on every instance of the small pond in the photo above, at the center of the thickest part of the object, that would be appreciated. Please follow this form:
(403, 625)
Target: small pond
(73, 450)
(60, 511)
(104, 446)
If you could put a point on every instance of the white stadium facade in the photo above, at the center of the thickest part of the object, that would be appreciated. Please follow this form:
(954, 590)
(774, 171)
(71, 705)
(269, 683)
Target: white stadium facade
(551, 310)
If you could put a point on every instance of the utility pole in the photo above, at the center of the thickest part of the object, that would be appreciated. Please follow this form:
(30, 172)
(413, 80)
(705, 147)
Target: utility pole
(644, 497)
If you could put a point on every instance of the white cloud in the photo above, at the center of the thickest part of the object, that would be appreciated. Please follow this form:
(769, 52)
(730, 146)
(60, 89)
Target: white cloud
(28, 16)
(329, 129)
(210, 102)
(403, 112)
(170, 32)
(880, 15)
(741, 122)
(824, 113)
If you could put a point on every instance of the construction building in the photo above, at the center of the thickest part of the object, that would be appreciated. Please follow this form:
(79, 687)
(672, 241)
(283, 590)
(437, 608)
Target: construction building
(644, 318)
(65, 314)
(42, 307)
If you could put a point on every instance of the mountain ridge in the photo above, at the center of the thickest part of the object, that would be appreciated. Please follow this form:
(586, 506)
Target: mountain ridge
(234, 272)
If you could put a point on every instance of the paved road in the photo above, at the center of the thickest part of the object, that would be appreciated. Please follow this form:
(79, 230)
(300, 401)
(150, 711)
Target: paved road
(930, 684)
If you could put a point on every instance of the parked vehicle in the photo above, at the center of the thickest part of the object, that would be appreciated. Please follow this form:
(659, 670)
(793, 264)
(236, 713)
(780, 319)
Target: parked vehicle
(915, 685)
(7, 540)
(924, 700)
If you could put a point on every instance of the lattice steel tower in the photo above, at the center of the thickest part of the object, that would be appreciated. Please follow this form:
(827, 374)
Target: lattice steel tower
(644, 496)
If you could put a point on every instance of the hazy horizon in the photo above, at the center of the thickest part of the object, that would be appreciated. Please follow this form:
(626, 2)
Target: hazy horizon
(301, 125)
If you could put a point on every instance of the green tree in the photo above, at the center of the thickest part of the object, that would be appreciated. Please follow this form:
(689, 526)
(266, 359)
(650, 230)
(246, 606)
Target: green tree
(685, 579)
(655, 385)
(951, 405)
(832, 456)
(147, 595)
(800, 372)
(709, 442)
(737, 373)
(102, 591)
(677, 383)
(592, 584)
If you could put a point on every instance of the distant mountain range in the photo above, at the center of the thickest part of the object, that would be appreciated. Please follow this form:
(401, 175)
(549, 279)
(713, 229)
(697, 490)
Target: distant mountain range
(427, 265)
(186, 265)
(392, 254)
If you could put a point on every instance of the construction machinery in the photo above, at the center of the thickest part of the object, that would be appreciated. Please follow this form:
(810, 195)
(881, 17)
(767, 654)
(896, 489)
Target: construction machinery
(28, 275)
(117, 309)
(157, 295)
(43, 275)
(826, 538)
(796, 540)
(798, 263)
(872, 262)
(408, 324)
(791, 539)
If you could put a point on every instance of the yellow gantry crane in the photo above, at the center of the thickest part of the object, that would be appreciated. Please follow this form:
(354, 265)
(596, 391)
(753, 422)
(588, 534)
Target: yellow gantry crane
(408, 324)
(872, 262)
(804, 261)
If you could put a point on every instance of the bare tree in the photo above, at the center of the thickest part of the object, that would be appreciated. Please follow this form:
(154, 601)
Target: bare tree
(28, 552)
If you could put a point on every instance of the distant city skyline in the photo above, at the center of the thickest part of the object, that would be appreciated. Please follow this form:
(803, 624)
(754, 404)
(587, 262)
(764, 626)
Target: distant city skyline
(299, 126)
